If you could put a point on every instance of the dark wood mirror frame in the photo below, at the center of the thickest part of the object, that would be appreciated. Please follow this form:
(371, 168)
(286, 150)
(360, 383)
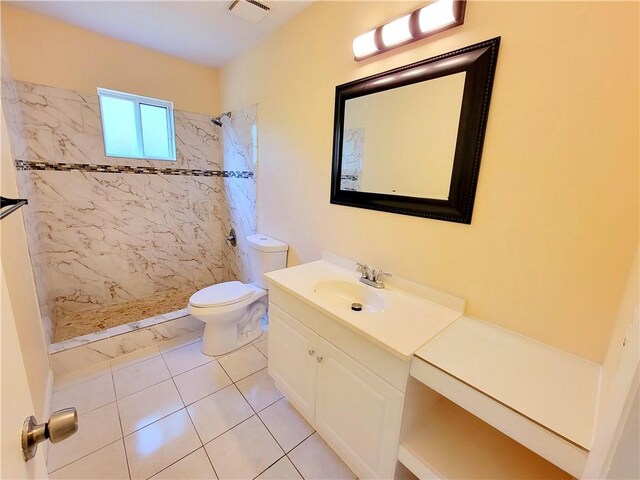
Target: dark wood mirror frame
(479, 63)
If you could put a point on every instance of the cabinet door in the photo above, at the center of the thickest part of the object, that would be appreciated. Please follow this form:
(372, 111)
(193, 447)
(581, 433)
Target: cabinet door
(358, 413)
(292, 360)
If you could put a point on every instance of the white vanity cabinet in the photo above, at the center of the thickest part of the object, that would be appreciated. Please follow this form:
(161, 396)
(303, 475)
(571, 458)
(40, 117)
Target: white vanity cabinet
(292, 360)
(355, 410)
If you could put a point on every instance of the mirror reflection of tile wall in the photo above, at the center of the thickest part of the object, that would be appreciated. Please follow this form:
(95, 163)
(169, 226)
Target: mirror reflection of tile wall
(352, 154)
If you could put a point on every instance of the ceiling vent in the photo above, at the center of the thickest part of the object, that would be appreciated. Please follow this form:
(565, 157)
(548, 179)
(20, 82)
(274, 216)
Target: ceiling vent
(250, 10)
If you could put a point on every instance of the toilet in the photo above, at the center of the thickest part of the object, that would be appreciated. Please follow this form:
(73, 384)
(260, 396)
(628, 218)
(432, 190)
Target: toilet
(231, 311)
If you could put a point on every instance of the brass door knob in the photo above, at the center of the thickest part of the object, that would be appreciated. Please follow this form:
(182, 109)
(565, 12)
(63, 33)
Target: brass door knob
(61, 425)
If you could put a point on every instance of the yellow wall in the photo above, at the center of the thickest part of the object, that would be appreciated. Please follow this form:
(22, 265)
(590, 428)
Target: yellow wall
(555, 225)
(48, 52)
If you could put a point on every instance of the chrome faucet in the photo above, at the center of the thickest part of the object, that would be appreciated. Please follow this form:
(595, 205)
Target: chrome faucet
(372, 277)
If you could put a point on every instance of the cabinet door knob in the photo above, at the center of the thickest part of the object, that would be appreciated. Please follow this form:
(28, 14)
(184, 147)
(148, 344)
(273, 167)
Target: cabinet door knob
(319, 359)
(312, 352)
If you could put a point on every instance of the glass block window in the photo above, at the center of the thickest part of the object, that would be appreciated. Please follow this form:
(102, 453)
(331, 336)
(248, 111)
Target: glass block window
(136, 127)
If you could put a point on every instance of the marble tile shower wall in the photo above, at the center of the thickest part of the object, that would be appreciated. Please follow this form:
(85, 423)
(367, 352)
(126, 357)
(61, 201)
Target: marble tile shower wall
(106, 238)
(352, 155)
(17, 139)
(240, 149)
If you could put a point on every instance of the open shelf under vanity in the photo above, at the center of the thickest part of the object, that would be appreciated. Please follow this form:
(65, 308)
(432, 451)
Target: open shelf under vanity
(484, 402)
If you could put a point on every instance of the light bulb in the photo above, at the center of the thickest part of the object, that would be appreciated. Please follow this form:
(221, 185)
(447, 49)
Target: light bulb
(396, 32)
(435, 16)
(364, 44)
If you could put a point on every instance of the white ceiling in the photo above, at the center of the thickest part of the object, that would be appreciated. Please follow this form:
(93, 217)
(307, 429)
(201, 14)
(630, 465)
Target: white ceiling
(200, 31)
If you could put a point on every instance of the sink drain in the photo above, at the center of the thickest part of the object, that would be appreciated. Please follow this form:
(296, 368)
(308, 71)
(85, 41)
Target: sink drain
(356, 307)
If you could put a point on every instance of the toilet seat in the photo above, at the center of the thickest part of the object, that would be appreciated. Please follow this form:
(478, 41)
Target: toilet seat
(221, 294)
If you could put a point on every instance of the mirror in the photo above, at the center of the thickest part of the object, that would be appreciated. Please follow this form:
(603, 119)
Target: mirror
(409, 140)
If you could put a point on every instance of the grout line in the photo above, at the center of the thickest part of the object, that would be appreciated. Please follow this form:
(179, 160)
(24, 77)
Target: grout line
(208, 395)
(294, 465)
(228, 429)
(161, 418)
(138, 391)
(151, 354)
(92, 374)
(124, 446)
(280, 458)
(296, 446)
(300, 442)
(234, 351)
(181, 458)
(272, 403)
(264, 424)
(189, 416)
(85, 456)
(244, 378)
(210, 462)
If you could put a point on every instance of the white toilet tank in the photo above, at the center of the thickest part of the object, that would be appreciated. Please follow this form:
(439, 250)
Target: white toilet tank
(265, 255)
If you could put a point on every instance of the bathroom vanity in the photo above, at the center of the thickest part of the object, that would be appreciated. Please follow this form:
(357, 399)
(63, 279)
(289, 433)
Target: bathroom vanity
(346, 372)
(410, 379)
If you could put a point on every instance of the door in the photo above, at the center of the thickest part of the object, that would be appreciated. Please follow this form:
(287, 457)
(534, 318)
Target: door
(358, 413)
(16, 400)
(292, 360)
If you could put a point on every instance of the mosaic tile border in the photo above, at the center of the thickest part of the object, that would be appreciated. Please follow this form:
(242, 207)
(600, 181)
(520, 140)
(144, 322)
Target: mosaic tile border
(86, 167)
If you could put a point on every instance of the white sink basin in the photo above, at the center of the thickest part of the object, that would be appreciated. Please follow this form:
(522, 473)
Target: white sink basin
(347, 293)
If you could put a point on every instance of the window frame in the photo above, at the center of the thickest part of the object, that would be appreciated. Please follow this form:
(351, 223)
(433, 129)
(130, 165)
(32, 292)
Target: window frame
(140, 100)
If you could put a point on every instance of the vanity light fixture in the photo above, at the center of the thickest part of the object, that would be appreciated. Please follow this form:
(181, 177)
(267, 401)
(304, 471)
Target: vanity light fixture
(433, 18)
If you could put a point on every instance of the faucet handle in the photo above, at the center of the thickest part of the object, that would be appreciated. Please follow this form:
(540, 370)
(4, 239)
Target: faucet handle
(378, 274)
(366, 271)
(361, 268)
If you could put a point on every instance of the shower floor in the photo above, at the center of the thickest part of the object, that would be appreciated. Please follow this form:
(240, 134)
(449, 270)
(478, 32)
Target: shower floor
(93, 321)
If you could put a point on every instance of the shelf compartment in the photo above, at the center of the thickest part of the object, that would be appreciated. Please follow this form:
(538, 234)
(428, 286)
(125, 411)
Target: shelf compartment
(553, 388)
(441, 440)
(554, 448)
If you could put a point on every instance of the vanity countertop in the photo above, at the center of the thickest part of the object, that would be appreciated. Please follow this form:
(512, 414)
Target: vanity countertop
(552, 387)
(405, 323)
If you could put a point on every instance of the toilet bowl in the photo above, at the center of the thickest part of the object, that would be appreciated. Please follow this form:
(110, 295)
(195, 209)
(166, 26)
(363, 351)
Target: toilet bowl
(232, 310)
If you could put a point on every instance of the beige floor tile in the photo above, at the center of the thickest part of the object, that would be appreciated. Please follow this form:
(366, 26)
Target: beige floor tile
(137, 377)
(195, 466)
(186, 358)
(105, 464)
(283, 469)
(96, 429)
(160, 444)
(286, 424)
(134, 357)
(201, 381)
(215, 414)
(316, 461)
(263, 346)
(244, 451)
(146, 406)
(259, 390)
(178, 342)
(85, 396)
(243, 362)
(81, 375)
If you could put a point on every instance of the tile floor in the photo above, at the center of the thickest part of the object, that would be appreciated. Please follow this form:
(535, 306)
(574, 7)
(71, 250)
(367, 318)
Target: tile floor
(170, 412)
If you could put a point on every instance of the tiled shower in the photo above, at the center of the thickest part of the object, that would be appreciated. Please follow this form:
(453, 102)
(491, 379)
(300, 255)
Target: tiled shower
(116, 240)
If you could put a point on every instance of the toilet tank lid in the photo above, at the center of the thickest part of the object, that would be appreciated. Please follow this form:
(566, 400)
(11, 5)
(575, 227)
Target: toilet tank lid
(226, 293)
(264, 243)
